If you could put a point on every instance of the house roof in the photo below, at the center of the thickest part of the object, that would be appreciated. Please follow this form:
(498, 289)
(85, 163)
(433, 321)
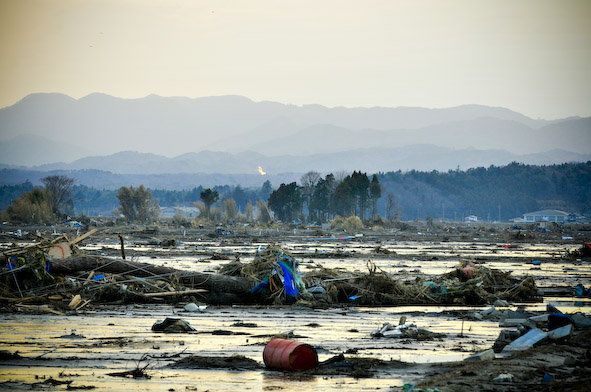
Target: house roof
(547, 213)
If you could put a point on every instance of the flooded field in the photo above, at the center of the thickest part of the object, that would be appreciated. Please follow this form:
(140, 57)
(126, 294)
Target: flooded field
(107, 340)
(408, 258)
(80, 349)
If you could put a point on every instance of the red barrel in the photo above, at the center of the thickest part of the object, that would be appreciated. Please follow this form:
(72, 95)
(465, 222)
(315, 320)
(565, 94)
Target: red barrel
(289, 355)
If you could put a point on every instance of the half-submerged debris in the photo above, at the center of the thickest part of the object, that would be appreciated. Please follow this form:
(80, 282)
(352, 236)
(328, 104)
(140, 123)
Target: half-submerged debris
(405, 331)
(273, 277)
(171, 324)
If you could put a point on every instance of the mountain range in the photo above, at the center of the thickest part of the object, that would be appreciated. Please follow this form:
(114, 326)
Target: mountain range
(372, 160)
(234, 135)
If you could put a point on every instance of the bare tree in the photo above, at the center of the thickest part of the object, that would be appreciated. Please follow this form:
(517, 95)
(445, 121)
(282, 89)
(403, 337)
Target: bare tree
(308, 183)
(229, 209)
(375, 192)
(249, 212)
(390, 205)
(264, 214)
(340, 175)
(59, 189)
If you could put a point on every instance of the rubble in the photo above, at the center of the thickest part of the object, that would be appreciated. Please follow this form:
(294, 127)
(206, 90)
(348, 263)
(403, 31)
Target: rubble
(272, 277)
(405, 331)
(94, 283)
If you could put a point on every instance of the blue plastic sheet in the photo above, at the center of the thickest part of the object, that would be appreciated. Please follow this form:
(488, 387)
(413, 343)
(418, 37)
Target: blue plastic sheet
(289, 282)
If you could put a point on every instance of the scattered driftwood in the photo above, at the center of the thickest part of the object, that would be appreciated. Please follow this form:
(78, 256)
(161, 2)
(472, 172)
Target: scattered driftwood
(176, 293)
(475, 285)
(194, 280)
(273, 277)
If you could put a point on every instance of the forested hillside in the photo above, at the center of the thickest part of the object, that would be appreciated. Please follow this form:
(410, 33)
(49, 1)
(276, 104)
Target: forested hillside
(492, 194)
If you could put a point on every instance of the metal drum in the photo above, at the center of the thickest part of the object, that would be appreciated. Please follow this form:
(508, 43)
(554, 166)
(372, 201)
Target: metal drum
(289, 355)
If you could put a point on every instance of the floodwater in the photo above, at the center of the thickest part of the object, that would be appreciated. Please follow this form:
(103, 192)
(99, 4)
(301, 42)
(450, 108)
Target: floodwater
(99, 342)
(83, 348)
(405, 259)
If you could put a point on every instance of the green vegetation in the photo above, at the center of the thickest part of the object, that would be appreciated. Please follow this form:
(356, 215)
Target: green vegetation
(494, 193)
(41, 205)
(325, 198)
(286, 202)
(208, 197)
(31, 207)
(137, 204)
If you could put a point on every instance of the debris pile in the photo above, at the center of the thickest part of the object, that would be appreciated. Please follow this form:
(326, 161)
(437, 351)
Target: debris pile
(405, 331)
(277, 272)
(31, 276)
(466, 284)
(477, 285)
(583, 252)
(34, 280)
(527, 330)
(279, 279)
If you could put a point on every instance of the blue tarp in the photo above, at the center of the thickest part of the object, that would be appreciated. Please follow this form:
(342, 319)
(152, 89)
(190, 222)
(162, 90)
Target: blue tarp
(285, 267)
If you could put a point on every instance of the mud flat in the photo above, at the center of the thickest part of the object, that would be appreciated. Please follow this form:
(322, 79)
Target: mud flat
(106, 346)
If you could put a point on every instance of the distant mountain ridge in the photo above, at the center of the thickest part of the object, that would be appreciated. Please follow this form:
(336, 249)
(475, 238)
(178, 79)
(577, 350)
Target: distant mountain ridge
(419, 157)
(233, 134)
(107, 180)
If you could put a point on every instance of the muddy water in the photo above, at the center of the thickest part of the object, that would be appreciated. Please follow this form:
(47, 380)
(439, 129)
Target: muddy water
(84, 347)
(93, 344)
(405, 257)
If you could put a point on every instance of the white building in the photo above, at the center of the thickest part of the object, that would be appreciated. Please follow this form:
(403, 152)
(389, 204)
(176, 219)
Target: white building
(546, 216)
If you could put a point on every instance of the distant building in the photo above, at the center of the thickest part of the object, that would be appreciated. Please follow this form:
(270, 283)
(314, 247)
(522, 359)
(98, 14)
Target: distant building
(187, 212)
(471, 218)
(546, 216)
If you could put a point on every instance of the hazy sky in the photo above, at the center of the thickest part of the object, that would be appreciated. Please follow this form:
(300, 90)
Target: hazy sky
(531, 56)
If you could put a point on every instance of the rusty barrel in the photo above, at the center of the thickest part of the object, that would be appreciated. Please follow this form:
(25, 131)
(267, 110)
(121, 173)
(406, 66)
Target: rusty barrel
(289, 355)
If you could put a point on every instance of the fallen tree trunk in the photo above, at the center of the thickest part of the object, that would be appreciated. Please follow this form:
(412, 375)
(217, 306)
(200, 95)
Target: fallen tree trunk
(214, 283)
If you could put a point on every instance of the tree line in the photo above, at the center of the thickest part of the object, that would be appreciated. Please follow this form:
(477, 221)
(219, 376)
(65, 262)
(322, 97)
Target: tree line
(494, 193)
(319, 199)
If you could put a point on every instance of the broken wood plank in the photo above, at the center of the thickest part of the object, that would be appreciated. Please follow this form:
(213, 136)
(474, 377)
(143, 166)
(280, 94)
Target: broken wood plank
(173, 293)
(83, 236)
(211, 282)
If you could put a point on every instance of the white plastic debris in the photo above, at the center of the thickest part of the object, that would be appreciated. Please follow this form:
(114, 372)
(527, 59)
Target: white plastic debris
(561, 332)
(526, 341)
(504, 377)
(192, 307)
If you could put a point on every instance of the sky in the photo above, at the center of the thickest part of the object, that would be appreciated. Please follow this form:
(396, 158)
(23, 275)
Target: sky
(531, 56)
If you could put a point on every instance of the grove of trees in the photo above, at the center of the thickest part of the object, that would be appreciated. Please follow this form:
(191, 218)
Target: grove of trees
(42, 205)
(325, 197)
(493, 193)
(137, 204)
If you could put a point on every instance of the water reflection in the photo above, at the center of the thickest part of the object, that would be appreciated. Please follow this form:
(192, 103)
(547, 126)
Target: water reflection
(115, 338)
